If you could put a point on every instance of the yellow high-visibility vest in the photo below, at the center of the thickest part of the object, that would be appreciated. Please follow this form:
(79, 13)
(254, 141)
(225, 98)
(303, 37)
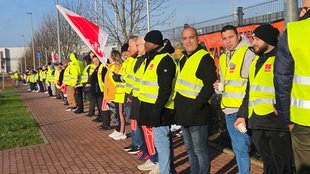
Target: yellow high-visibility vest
(235, 85)
(262, 92)
(149, 85)
(187, 84)
(298, 36)
(129, 77)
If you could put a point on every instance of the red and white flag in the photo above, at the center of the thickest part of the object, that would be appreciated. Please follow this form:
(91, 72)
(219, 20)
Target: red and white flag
(54, 57)
(93, 36)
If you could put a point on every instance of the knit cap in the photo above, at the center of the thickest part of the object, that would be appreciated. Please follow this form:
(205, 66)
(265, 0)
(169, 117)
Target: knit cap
(154, 37)
(267, 33)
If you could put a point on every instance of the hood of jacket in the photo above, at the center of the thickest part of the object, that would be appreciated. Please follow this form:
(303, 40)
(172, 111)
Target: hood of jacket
(72, 57)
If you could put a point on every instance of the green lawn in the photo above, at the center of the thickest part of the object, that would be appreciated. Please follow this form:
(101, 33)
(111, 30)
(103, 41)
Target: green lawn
(17, 128)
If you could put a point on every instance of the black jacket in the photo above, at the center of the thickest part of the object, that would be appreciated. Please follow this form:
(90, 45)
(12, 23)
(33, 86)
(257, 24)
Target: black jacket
(156, 114)
(196, 112)
(269, 121)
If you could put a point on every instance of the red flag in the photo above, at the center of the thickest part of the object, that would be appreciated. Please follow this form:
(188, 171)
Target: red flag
(93, 36)
(54, 57)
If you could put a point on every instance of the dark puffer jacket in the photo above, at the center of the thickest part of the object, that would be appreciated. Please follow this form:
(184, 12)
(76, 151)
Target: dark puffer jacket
(155, 115)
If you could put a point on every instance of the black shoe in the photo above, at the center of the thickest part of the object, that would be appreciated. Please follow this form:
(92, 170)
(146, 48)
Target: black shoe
(129, 147)
(97, 119)
(134, 150)
(89, 115)
(78, 112)
(105, 128)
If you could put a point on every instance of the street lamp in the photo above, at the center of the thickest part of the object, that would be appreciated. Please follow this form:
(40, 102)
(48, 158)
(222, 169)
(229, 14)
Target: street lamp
(24, 51)
(33, 56)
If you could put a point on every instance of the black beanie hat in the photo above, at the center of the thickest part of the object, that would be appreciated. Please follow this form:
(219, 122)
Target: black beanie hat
(267, 33)
(124, 47)
(154, 37)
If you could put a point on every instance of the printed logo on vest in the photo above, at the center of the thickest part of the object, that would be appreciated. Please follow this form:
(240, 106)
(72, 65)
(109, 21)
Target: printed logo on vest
(151, 66)
(267, 67)
(232, 67)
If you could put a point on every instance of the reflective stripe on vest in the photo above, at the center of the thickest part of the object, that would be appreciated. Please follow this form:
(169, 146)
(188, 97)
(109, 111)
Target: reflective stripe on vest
(138, 79)
(298, 37)
(187, 84)
(120, 86)
(129, 77)
(149, 86)
(261, 93)
(235, 85)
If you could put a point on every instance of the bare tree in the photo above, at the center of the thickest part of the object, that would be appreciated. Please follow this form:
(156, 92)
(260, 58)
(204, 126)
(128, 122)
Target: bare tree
(125, 18)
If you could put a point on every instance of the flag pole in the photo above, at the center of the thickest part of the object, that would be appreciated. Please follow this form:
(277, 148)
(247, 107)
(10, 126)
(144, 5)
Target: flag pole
(58, 35)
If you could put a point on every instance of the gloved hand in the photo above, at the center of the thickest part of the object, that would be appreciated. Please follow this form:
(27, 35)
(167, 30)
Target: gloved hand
(117, 77)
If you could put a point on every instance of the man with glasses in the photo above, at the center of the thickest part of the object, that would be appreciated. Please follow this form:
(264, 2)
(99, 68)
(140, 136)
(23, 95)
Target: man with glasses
(292, 85)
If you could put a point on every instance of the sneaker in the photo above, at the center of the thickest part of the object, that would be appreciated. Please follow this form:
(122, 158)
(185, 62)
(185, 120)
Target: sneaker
(140, 153)
(148, 165)
(120, 136)
(113, 134)
(134, 150)
(129, 147)
(155, 170)
(69, 109)
(144, 157)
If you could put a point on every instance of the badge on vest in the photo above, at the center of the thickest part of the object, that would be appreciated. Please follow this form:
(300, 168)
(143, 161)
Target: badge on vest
(232, 67)
(268, 67)
(151, 66)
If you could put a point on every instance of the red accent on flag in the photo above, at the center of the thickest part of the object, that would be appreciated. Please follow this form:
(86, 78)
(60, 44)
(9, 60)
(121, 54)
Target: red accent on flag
(268, 67)
(92, 35)
(54, 57)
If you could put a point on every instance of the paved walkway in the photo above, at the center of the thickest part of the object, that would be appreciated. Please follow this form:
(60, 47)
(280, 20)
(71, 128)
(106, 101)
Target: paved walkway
(75, 145)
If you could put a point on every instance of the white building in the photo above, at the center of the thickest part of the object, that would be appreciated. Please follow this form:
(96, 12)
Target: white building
(11, 59)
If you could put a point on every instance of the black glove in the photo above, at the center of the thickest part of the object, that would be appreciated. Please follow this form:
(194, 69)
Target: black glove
(117, 77)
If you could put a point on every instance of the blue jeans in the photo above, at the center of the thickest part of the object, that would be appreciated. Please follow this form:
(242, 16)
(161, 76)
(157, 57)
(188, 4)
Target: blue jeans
(240, 144)
(127, 110)
(137, 136)
(196, 143)
(164, 147)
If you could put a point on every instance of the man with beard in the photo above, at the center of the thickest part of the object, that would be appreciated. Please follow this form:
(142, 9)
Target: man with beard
(291, 81)
(271, 136)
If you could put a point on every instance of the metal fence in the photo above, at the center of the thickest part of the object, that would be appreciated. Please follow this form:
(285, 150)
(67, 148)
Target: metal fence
(268, 11)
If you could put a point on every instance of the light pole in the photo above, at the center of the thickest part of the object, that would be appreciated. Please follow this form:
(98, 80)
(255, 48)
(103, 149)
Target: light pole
(24, 51)
(58, 34)
(33, 56)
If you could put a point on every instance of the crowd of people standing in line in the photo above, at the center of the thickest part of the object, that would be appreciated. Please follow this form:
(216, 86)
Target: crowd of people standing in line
(264, 87)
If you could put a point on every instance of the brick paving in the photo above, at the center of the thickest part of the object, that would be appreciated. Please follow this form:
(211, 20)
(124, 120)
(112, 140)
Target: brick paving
(75, 145)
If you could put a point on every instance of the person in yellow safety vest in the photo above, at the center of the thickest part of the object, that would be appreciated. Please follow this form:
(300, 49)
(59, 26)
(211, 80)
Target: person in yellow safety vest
(155, 94)
(86, 74)
(193, 90)
(128, 77)
(40, 81)
(113, 66)
(292, 85)
(133, 114)
(32, 81)
(44, 74)
(71, 80)
(56, 80)
(233, 72)
(96, 83)
(16, 78)
(270, 135)
(50, 80)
